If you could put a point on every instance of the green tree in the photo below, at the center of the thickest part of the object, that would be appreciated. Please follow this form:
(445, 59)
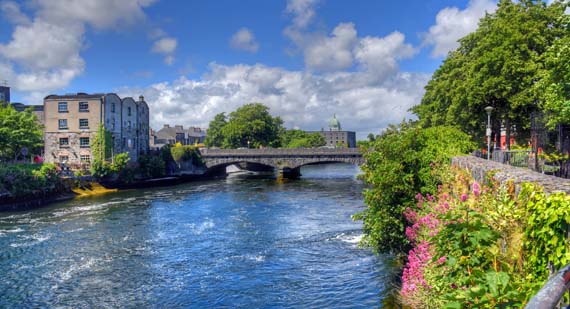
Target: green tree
(101, 151)
(252, 126)
(398, 165)
(498, 65)
(215, 137)
(556, 83)
(18, 131)
(301, 139)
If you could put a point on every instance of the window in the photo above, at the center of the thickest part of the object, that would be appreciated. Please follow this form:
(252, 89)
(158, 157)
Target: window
(85, 158)
(63, 142)
(84, 142)
(129, 126)
(83, 107)
(112, 107)
(63, 159)
(129, 110)
(62, 124)
(113, 124)
(84, 123)
(62, 107)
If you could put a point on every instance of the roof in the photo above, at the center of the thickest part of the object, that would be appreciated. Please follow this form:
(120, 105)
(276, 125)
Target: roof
(170, 132)
(21, 107)
(74, 96)
(334, 124)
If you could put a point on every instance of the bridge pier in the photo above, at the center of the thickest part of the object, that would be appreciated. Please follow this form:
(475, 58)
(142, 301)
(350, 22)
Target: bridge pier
(289, 173)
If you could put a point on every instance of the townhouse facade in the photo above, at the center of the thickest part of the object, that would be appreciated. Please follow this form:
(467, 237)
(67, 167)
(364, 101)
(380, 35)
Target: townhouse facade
(73, 120)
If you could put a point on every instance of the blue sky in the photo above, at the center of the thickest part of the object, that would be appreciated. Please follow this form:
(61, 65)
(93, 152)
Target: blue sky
(366, 61)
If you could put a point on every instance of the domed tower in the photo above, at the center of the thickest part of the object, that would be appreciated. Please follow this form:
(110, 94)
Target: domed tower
(334, 124)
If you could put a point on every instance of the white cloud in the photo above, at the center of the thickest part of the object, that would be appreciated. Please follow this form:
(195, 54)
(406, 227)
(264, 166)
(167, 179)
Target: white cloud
(333, 52)
(302, 99)
(244, 39)
(11, 11)
(43, 54)
(379, 56)
(303, 11)
(453, 24)
(165, 45)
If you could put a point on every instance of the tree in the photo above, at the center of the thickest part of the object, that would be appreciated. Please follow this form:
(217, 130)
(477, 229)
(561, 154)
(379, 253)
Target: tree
(301, 139)
(498, 65)
(371, 137)
(215, 137)
(556, 83)
(18, 131)
(252, 126)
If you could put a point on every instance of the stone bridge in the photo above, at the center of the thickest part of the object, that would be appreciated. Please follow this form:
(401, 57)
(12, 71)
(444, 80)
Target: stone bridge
(287, 161)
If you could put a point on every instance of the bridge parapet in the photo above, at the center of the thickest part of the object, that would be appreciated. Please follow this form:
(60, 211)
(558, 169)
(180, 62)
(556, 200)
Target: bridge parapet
(209, 152)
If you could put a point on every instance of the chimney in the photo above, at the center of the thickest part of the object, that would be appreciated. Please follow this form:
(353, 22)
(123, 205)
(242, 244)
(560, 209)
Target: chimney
(141, 98)
(166, 126)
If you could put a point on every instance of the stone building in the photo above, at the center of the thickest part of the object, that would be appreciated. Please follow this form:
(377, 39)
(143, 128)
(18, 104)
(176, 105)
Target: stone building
(72, 121)
(171, 135)
(335, 136)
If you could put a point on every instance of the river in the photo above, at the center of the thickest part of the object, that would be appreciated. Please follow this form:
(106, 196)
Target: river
(233, 242)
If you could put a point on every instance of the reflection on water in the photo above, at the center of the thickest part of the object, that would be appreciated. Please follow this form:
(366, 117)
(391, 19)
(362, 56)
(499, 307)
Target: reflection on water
(234, 242)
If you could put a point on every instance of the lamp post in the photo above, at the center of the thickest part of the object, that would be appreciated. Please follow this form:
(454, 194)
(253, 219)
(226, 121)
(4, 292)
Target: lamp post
(489, 109)
(248, 144)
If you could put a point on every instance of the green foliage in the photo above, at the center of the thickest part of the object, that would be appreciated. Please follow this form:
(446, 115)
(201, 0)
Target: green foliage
(18, 130)
(546, 231)
(556, 84)
(101, 145)
(151, 167)
(399, 165)
(120, 162)
(252, 126)
(28, 180)
(101, 169)
(215, 138)
(301, 139)
(498, 65)
(483, 246)
(181, 153)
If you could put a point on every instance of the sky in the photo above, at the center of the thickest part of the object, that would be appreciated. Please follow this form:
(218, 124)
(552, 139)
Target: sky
(367, 61)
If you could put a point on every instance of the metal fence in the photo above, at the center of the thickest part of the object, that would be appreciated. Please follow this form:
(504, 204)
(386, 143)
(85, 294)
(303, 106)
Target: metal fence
(518, 158)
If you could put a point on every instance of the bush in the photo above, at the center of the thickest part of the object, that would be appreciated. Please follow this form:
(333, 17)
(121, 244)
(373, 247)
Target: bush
(397, 166)
(151, 167)
(29, 180)
(480, 246)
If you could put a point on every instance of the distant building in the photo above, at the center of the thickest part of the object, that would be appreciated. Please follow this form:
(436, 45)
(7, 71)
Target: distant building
(37, 109)
(336, 137)
(72, 121)
(171, 135)
(4, 93)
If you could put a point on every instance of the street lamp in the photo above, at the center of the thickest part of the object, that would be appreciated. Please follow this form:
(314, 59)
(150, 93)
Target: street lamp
(489, 109)
(248, 144)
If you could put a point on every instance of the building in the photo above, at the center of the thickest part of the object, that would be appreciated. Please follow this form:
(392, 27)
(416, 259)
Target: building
(171, 135)
(4, 93)
(72, 122)
(335, 136)
(37, 109)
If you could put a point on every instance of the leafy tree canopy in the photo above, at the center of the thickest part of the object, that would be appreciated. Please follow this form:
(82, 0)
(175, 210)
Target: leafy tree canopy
(301, 139)
(18, 131)
(215, 137)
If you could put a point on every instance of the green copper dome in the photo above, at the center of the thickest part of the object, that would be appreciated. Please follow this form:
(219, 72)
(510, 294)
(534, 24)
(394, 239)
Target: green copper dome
(334, 124)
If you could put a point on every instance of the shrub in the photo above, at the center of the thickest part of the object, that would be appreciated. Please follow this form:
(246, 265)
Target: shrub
(397, 166)
(151, 166)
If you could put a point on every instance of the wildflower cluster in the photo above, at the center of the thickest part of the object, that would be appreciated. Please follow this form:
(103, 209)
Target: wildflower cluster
(467, 247)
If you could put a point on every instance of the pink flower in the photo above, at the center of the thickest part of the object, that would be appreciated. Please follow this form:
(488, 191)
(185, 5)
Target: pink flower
(463, 197)
(476, 189)
(441, 260)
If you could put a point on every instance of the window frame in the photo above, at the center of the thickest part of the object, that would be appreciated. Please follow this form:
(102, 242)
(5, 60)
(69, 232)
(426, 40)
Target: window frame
(84, 110)
(59, 124)
(86, 126)
(64, 145)
(60, 109)
(81, 145)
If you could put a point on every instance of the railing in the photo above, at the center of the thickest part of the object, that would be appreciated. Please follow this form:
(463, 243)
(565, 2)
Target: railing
(280, 151)
(518, 158)
(552, 292)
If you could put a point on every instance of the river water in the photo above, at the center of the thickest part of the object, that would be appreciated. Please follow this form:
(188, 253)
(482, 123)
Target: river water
(232, 242)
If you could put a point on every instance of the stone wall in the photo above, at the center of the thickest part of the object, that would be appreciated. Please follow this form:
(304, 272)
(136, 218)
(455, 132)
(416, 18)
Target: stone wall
(501, 172)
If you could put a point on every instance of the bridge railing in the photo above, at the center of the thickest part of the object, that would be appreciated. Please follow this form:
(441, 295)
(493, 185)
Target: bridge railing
(279, 151)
